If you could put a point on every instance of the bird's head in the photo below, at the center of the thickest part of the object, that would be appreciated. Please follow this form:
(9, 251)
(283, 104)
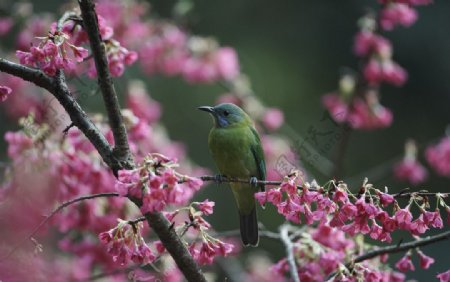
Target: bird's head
(227, 114)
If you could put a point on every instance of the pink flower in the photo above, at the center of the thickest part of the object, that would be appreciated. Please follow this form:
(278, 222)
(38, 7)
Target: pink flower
(385, 199)
(363, 43)
(365, 114)
(140, 103)
(207, 253)
(206, 207)
(274, 196)
(411, 171)
(438, 156)
(418, 226)
(425, 261)
(340, 195)
(394, 73)
(5, 91)
(79, 53)
(373, 72)
(261, 197)
(444, 276)
(118, 57)
(405, 264)
(6, 24)
(125, 243)
(194, 183)
(227, 63)
(403, 218)
(433, 219)
(222, 248)
(448, 215)
(336, 106)
(397, 14)
(289, 186)
(389, 223)
(52, 54)
(273, 118)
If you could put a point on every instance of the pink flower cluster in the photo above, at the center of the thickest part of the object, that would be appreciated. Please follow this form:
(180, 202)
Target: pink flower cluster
(125, 244)
(353, 214)
(157, 184)
(118, 57)
(320, 255)
(397, 14)
(363, 113)
(170, 51)
(380, 66)
(360, 107)
(411, 171)
(52, 54)
(438, 157)
(50, 168)
(405, 263)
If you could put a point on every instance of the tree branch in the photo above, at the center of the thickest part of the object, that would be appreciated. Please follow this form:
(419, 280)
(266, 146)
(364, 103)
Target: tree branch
(90, 23)
(121, 151)
(284, 235)
(58, 88)
(402, 247)
(32, 75)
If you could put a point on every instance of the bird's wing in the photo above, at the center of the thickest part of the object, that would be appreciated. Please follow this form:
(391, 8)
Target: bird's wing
(258, 155)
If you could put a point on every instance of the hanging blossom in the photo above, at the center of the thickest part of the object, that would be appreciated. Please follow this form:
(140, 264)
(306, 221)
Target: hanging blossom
(5, 91)
(365, 113)
(410, 169)
(363, 213)
(397, 14)
(444, 276)
(360, 107)
(54, 52)
(319, 252)
(125, 242)
(156, 183)
(438, 156)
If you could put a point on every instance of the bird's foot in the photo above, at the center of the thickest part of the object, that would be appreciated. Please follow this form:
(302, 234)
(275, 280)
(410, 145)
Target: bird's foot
(219, 178)
(253, 181)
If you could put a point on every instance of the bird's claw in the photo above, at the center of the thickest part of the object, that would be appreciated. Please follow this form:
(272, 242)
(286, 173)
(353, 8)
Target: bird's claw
(219, 178)
(253, 181)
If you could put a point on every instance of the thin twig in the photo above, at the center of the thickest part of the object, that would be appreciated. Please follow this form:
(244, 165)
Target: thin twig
(341, 151)
(90, 24)
(401, 194)
(284, 235)
(402, 247)
(55, 211)
(262, 233)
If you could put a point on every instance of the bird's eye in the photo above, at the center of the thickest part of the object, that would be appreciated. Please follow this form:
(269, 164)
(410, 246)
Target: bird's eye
(226, 113)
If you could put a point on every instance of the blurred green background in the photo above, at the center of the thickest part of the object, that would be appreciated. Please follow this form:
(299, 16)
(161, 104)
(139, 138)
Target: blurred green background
(293, 52)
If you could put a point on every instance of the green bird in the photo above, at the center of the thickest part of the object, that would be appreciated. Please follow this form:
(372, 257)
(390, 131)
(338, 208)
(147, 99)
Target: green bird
(236, 149)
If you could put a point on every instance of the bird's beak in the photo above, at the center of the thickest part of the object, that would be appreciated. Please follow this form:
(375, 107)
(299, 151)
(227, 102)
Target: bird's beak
(206, 109)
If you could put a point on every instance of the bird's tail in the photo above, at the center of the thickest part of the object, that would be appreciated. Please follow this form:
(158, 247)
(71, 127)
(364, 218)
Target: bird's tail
(249, 228)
